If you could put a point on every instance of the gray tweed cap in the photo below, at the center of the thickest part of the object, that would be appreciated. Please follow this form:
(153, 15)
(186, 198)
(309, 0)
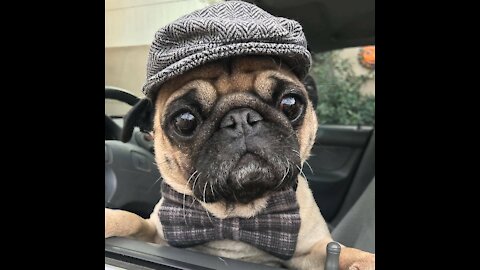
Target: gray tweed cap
(223, 30)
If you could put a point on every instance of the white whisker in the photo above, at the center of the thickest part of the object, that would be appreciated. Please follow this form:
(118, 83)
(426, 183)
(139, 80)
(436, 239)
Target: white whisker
(190, 178)
(285, 175)
(184, 213)
(195, 181)
(204, 191)
(301, 172)
(193, 201)
(155, 183)
(184, 195)
(206, 211)
(306, 162)
(210, 218)
(211, 187)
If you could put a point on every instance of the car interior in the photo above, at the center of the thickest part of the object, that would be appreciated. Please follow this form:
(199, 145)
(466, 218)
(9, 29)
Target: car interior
(340, 171)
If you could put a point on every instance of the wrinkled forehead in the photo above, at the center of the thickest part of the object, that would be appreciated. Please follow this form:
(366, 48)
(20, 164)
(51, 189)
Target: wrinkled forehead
(207, 83)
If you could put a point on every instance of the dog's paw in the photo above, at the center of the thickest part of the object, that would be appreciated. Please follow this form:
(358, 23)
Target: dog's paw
(355, 259)
(109, 223)
(364, 263)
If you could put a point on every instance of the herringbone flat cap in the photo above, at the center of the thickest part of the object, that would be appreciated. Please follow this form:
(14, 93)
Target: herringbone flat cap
(222, 30)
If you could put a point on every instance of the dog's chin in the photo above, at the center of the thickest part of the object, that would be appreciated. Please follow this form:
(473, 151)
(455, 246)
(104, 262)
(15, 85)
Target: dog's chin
(251, 179)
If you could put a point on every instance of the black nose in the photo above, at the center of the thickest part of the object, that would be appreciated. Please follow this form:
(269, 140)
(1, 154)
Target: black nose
(241, 120)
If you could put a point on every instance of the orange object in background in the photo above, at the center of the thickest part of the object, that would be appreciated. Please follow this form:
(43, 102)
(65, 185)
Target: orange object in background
(366, 56)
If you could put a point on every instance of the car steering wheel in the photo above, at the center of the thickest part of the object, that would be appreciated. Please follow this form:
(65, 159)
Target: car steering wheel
(132, 180)
(112, 130)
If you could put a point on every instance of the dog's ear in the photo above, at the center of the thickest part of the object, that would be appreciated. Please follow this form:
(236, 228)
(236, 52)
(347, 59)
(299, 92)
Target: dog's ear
(311, 88)
(140, 115)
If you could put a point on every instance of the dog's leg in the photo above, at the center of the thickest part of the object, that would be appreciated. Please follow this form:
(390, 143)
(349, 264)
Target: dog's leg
(126, 224)
(314, 259)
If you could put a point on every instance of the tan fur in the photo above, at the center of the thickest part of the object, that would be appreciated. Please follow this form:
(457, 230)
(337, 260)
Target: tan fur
(123, 223)
(213, 81)
(170, 159)
(305, 135)
(219, 209)
(207, 96)
(264, 83)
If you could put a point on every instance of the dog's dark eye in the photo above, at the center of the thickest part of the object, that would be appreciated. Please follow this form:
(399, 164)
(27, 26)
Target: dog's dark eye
(292, 106)
(185, 123)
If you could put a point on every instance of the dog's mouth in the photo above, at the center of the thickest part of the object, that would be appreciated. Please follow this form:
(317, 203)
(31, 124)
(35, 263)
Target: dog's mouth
(250, 178)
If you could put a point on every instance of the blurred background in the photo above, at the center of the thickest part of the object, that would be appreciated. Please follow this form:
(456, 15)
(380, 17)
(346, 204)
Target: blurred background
(130, 26)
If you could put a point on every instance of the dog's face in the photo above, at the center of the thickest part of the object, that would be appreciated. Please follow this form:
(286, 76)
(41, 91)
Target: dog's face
(234, 130)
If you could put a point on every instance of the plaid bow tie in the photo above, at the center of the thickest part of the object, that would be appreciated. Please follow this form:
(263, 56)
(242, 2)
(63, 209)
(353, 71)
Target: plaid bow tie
(275, 229)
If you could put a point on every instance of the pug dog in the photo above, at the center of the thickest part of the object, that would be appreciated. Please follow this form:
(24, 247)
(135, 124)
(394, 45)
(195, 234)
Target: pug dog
(233, 124)
(229, 135)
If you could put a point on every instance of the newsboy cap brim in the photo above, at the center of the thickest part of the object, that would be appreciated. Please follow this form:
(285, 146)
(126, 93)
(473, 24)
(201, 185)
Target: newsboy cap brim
(293, 55)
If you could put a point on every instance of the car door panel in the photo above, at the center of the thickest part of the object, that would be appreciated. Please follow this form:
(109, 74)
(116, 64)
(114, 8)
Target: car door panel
(334, 159)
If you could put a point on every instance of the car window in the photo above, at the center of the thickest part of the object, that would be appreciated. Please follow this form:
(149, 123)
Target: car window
(345, 81)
